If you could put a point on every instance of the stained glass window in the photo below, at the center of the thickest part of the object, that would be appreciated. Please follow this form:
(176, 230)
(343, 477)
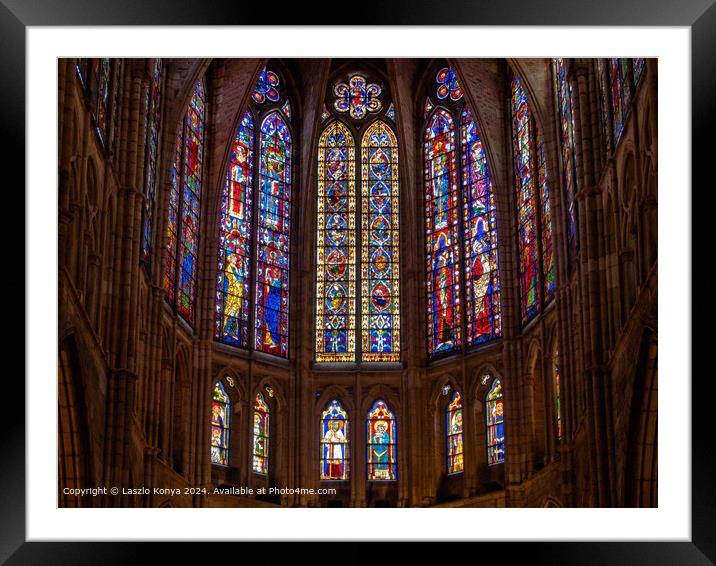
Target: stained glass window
(448, 84)
(482, 281)
(286, 108)
(380, 273)
(617, 98)
(453, 427)
(526, 198)
(441, 234)
(184, 208)
(427, 108)
(495, 424)
(381, 434)
(358, 97)
(336, 271)
(220, 426)
(548, 286)
(325, 114)
(152, 118)
(266, 87)
(557, 393)
(102, 69)
(335, 443)
(565, 98)
(252, 294)
(615, 84)
(273, 237)
(261, 436)
(233, 286)
(390, 112)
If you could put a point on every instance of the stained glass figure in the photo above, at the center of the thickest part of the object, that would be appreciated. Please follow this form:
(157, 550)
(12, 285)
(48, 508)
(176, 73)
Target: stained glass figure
(184, 208)
(557, 393)
(335, 443)
(565, 98)
(453, 426)
(494, 410)
(526, 198)
(286, 108)
(427, 108)
(390, 112)
(482, 283)
(448, 85)
(381, 435)
(336, 262)
(266, 87)
(261, 436)
(324, 114)
(102, 69)
(380, 257)
(273, 237)
(357, 97)
(235, 242)
(441, 234)
(152, 119)
(220, 405)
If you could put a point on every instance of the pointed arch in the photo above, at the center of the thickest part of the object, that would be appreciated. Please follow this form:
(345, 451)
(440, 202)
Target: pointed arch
(380, 243)
(260, 443)
(185, 208)
(482, 282)
(335, 442)
(236, 240)
(454, 434)
(273, 236)
(441, 229)
(381, 433)
(495, 421)
(220, 414)
(335, 254)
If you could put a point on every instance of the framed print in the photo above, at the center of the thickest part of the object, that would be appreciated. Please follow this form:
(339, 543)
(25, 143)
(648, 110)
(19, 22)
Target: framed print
(386, 273)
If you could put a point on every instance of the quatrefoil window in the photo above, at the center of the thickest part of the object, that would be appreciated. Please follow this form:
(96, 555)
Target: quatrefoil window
(357, 97)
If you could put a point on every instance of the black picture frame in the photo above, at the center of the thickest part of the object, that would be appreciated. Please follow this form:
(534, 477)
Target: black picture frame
(699, 15)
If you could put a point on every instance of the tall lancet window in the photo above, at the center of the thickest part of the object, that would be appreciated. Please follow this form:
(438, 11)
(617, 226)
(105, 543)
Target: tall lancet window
(234, 291)
(381, 432)
(273, 237)
(453, 427)
(261, 436)
(565, 98)
(152, 125)
(532, 198)
(358, 239)
(495, 422)
(380, 253)
(335, 440)
(185, 208)
(220, 406)
(252, 292)
(336, 264)
(462, 280)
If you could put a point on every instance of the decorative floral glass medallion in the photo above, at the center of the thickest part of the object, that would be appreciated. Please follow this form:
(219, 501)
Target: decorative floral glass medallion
(357, 97)
(448, 84)
(266, 87)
